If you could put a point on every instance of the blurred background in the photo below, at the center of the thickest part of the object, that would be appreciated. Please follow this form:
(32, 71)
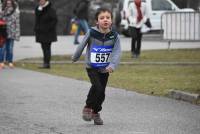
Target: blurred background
(65, 8)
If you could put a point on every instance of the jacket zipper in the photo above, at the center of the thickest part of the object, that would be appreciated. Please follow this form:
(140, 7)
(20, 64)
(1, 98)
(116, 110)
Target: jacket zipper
(104, 36)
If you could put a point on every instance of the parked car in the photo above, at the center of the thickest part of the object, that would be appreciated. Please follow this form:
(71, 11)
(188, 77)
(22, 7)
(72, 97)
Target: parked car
(156, 9)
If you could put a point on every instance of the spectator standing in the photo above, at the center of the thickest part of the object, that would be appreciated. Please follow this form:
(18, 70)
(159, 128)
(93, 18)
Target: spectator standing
(45, 29)
(81, 12)
(1, 2)
(138, 15)
(102, 57)
(10, 13)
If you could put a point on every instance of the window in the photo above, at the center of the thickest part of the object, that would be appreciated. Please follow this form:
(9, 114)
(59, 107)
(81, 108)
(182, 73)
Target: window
(161, 5)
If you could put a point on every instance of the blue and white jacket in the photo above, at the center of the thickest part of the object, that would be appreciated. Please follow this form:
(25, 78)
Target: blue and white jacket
(103, 50)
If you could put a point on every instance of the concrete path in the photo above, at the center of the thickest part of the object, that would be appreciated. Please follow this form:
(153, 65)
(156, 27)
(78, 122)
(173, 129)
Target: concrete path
(38, 103)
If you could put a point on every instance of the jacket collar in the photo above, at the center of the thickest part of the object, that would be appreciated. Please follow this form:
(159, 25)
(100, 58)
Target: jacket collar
(40, 8)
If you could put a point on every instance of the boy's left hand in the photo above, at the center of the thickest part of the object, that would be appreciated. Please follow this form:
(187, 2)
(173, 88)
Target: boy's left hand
(109, 69)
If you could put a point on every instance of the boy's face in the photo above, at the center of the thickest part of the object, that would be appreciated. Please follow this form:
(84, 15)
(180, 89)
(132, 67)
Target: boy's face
(104, 20)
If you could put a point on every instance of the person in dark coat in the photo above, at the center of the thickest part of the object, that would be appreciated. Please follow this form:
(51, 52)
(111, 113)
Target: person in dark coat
(45, 29)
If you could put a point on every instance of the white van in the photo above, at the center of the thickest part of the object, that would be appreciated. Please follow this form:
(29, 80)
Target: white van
(156, 9)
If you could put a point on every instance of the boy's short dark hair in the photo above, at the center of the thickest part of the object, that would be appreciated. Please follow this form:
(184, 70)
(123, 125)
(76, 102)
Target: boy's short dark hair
(100, 10)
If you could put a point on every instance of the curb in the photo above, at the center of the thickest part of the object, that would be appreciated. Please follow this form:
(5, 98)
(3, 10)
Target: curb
(185, 96)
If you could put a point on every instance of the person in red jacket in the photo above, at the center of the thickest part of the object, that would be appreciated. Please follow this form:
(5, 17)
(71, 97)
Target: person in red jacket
(138, 15)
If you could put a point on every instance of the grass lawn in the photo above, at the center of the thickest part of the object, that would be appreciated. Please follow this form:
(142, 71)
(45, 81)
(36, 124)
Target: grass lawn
(156, 79)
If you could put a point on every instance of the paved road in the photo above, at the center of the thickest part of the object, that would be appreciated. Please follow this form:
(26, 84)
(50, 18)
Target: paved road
(38, 103)
(27, 47)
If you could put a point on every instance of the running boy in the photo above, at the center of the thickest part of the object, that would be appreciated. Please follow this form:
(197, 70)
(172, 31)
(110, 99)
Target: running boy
(102, 57)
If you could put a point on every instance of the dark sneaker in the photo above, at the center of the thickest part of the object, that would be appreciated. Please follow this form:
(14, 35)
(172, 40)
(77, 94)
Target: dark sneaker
(76, 42)
(87, 114)
(97, 119)
(135, 56)
(45, 66)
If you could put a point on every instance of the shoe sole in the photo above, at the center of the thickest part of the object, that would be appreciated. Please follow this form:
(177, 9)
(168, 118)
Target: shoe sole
(98, 123)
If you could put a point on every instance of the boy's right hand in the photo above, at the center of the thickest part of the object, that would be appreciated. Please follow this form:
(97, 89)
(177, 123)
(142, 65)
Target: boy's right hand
(109, 69)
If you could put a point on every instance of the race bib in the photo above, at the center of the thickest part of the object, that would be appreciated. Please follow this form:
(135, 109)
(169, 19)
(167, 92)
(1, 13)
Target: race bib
(99, 56)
